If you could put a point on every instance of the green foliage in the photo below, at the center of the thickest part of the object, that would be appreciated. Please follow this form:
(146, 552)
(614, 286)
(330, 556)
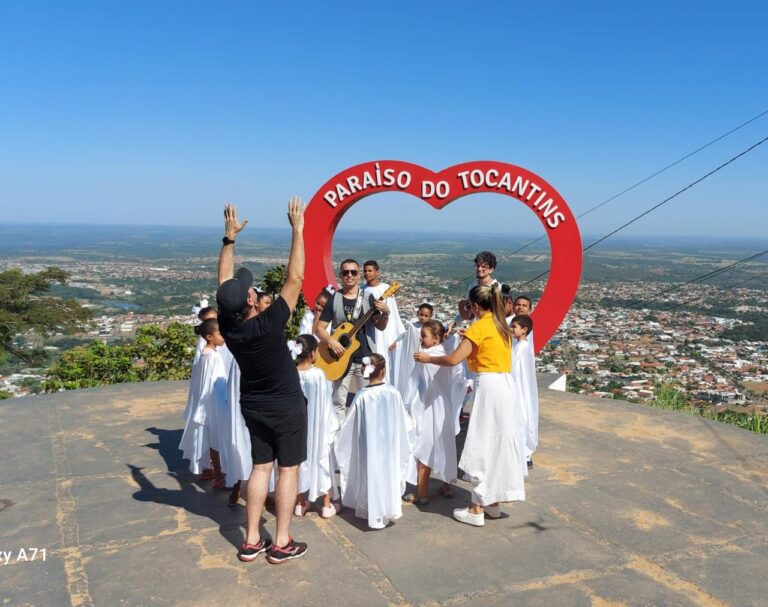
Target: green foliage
(272, 283)
(4, 395)
(25, 306)
(157, 353)
(757, 331)
(668, 397)
(755, 423)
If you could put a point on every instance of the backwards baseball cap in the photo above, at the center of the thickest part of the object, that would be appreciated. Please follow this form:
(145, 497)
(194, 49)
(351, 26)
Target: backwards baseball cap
(232, 294)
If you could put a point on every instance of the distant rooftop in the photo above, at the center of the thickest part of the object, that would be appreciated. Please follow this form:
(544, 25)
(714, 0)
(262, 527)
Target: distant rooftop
(627, 505)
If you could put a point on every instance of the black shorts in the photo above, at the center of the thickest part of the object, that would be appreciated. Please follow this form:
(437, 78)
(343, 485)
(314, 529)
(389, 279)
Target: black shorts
(277, 433)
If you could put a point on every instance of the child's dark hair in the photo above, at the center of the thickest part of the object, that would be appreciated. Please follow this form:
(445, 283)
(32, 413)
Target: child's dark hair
(427, 307)
(208, 327)
(308, 345)
(487, 258)
(506, 293)
(436, 328)
(205, 312)
(379, 364)
(261, 295)
(373, 263)
(524, 298)
(525, 321)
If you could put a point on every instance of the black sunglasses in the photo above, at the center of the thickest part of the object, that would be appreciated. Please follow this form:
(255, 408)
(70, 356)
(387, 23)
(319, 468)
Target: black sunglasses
(349, 272)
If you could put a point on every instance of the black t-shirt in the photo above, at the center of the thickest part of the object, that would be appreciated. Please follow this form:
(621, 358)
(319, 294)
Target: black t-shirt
(349, 309)
(268, 375)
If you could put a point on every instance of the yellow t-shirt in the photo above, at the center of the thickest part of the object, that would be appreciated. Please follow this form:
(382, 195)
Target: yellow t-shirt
(490, 353)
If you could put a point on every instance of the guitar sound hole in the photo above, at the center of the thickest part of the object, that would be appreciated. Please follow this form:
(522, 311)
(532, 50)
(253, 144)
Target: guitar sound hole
(345, 341)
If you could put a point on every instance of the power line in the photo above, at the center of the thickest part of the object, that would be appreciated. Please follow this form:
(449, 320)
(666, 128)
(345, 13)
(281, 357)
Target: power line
(663, 202)
(732, 286)
(711, 274)
(651, 176)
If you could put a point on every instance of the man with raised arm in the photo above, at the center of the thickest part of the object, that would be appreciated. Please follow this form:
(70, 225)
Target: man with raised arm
(271, 400)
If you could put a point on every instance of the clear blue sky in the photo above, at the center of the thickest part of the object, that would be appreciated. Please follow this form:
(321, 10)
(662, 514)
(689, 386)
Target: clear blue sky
(160, 112)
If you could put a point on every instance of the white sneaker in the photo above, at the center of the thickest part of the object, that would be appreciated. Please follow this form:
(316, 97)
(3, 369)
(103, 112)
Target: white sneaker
(329, 511)
(492, 511)
(301, 510)
(463, 515)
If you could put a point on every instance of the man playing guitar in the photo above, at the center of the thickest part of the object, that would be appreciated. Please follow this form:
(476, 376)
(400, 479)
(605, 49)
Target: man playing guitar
(347, 305)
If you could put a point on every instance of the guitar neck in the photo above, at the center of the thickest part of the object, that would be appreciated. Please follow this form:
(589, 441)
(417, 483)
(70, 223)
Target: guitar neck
(362, 320)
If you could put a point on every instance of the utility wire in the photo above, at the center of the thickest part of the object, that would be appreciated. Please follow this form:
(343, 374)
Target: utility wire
(651, 176)
(732, 286)
(663, 202)
(711, 274)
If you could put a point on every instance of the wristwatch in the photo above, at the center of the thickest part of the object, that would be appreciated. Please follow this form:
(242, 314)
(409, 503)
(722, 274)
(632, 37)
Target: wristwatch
(227, 240)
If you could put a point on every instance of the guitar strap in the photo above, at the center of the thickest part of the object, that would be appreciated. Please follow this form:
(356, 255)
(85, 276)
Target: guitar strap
(358, 306)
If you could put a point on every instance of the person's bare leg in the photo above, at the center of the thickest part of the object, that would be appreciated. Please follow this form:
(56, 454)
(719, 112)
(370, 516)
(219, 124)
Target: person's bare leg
(234, 495)
(258, 484)
(423, 475)
(327, 500)
(285, 500)
(216, 463)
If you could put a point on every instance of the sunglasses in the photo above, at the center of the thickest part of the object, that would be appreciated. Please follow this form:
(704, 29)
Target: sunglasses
(349, 272)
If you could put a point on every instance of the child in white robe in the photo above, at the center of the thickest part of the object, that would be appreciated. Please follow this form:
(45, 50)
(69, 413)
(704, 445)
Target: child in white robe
(406, 345)
(308, 323)
(316, 473)
(211, 386)
(435, 410)
(373, 450)
(524, 382)
(386, 339)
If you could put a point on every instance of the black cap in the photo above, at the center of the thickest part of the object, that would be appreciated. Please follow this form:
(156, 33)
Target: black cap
(232, 294)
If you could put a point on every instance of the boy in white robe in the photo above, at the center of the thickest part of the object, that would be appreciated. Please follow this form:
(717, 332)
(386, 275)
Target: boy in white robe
(373, 450)
(316, 473)
(407, 344)
(211, 386)
(435, 409)
(386, 339)
(526, 393)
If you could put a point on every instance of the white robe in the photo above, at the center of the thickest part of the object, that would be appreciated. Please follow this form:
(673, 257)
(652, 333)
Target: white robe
(305, 327)
(373, 452)
(196, 439)
(493, 459)
(198, 349)
(526, 392)
(316, 473)
(236, 461)
(403, 364)
(194, 384)
(435, 410)
(393, 330)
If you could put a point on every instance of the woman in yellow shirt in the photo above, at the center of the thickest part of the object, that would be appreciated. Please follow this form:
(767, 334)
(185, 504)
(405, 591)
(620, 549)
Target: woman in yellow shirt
(493, 459)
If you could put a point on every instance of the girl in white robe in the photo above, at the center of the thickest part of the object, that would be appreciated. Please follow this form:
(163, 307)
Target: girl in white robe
(211, 386)
(526, 392)
(316, 473)
(373, 450)
(435, 409)
(406, 345)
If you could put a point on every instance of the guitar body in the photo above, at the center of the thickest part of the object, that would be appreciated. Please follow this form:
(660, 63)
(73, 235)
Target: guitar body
(333, 366)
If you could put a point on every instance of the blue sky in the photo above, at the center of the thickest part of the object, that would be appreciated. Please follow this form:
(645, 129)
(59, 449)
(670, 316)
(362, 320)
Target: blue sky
(160, 112)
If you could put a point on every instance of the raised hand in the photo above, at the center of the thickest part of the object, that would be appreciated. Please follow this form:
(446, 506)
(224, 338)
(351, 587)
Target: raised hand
(232, 226)
(296, 213)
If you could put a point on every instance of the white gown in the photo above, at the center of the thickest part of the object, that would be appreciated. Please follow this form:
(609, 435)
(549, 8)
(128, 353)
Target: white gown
(236, 460)
(435, 410)
(394, 329)
(305, 327)
(403, 364)
(316, 473)
(194, 383)
(373, 452)
(526, 392)
(196, 439)
(198, 349)
(493, 459)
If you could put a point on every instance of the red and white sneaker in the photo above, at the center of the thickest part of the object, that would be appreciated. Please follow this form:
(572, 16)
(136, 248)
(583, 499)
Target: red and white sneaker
(292, 550)
(248, 552)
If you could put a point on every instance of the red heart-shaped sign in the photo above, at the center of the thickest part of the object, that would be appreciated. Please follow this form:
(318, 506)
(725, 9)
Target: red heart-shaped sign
(339, 193)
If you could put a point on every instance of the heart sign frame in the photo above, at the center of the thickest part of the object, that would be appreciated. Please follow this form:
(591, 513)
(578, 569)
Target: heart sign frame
(336, 196)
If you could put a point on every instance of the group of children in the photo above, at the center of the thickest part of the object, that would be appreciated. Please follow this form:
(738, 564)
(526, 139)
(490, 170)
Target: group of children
(401, 428)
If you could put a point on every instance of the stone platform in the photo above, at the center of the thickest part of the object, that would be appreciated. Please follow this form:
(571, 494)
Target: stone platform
(627, 505)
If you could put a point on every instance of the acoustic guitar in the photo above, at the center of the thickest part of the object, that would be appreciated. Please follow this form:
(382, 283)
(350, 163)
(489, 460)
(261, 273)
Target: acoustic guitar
(335, 366)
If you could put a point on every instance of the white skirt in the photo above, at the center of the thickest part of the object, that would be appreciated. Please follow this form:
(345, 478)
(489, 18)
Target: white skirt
(493, 459)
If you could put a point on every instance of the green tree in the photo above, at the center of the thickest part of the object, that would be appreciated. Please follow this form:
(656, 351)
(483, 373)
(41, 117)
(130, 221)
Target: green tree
(157, 353)
(25, 307)
(273, 281)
